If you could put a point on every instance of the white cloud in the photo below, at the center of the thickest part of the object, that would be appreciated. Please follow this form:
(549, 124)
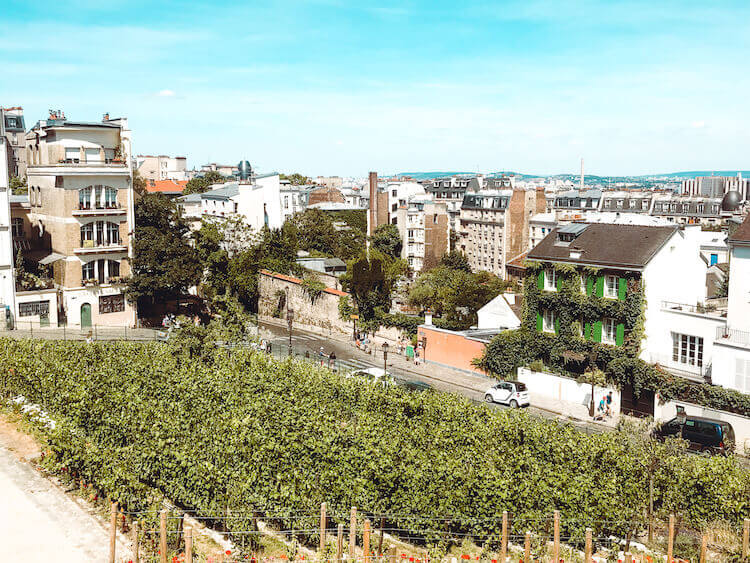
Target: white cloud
(698, 124)
(166, 93)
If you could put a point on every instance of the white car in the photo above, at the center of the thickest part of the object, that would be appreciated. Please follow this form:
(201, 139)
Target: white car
(376, 375)
(511, 393)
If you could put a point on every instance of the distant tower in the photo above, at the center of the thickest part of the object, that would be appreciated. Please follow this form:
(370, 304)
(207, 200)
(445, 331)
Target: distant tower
(582, 174)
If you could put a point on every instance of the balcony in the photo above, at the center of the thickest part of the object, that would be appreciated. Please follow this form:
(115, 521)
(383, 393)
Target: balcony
(691, 372)
(94, 247)
(90, 211)
(714, 308)
(732, 336)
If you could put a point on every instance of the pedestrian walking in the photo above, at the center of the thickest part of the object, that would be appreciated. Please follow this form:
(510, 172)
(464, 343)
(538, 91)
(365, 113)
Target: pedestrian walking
(609, 403)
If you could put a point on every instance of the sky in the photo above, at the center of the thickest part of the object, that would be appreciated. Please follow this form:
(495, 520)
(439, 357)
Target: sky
(342, 87)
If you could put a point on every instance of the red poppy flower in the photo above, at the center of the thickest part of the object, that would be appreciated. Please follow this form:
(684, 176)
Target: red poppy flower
(228, 552)
(464, 556)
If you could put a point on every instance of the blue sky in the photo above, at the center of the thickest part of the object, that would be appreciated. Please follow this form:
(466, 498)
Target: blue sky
(343, 86)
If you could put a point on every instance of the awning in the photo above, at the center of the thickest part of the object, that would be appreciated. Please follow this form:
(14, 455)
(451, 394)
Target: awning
(54, 257)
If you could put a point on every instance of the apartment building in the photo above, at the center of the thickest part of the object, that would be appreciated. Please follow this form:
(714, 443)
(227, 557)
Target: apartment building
(494, 226)
(294, 199)
(7, 276)
(12, 130)
(424, 228)
(622, 201)
(683, 209)
(716, 186)
(587, 200)
(450, 191)
(81, 211)
(162, 167)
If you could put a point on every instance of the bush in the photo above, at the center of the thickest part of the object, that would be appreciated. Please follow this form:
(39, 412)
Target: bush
(239, 430)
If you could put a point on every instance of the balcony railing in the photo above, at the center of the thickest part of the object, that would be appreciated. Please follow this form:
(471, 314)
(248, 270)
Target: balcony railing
(692, 372)
(733, 336)
(113, 209)
(709, 309)
(92, 247)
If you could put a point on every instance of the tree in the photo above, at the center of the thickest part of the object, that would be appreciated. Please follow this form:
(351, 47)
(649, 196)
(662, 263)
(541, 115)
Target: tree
(200, 184)
(164, 264)
(18, 186)
(139, 183)
(387, 240)
(296, 179)
(456, 260)
(368, 284)
(723, 289)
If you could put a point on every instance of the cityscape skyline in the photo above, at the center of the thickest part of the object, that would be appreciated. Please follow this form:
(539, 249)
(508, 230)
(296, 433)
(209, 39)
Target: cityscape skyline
(326, 87)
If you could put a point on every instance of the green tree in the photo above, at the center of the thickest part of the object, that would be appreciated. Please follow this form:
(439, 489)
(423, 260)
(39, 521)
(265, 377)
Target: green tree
(164, 264)
(387, 240)
(456, 260)
(200, 184)
(723, 289)
(369, 286)
(139, 183)
(18, 186)
(296, 179)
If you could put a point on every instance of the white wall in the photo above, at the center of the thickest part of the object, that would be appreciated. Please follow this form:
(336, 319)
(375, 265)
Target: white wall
(253, 197)
(573, 397)
(731, 365)
(741, 424)
(75, 298)
(498, 314)
(676, 273)
(7, 279)
(738, 316)
(33, 321)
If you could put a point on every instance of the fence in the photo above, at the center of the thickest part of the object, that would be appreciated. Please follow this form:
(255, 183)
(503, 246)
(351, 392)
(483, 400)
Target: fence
(174, 536)
(76, 332)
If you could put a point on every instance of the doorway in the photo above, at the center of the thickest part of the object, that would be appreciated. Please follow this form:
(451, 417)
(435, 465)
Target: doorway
(86, 315)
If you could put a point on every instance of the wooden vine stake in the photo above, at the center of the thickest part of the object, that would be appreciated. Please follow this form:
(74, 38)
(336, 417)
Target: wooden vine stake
(587, 552)
(746, 538)
(556, 538)
(366, 541)
(188, 545)
(339, 543)
(527, 548)
(504, 540)
(670, 539)
(352, 532)
(704, 547)
(163, 536)
(113, 533)
(322, 528)
(136, 539)
(628, 558)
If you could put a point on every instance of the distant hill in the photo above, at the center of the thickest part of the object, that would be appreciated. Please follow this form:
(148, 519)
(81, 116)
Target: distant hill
(575, 177)
(695, 173)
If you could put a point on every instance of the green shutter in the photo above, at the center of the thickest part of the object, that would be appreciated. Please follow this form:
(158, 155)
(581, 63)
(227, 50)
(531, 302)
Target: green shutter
(559, 282)
(598, 331)
(557, 326)
(589, 285)
(539, 322)
(622, 288)
(620, 335)
(540, 279)
(587, 331)
(600, 286)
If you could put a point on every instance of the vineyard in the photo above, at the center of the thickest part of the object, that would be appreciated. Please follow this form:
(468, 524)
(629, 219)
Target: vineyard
(239, 432)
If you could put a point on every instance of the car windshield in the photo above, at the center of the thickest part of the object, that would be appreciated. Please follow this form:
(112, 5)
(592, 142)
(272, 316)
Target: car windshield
(521, 386)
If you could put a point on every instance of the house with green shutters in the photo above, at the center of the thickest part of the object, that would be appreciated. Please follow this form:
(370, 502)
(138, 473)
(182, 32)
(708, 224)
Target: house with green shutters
(609, 283)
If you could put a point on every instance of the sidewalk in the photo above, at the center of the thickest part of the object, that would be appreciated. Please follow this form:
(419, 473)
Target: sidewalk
(474, 383)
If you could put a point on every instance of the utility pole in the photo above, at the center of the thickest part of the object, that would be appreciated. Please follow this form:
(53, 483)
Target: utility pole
(290, 321)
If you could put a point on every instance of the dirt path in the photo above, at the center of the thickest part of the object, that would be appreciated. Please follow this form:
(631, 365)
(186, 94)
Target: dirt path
(38, 521)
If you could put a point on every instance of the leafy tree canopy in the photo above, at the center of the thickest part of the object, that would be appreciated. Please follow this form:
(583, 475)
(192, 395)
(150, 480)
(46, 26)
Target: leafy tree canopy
(456, 260)
(200, 184)
(387, 240)
(296, 179)
(18, 185)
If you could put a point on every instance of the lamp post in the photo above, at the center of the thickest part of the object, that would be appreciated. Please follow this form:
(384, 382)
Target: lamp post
(290, 320)
(385, 358)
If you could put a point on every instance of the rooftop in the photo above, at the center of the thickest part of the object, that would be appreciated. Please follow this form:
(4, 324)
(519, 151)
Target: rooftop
(742, 234)
(624, 246)
(165, 186)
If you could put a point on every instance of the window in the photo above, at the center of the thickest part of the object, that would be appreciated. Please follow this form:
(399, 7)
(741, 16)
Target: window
(610, 287)
(88, 271)
(619, 204)
(111, 303)
(631, 203)
(687, 349)
(609, 331)
(714, 257)
(84, 198)
(33, 308)
(742, 375)
(394, 207)
(110, 198)
(114, 268)
(644, 204)
(394, 193)
(87, 235)
(550, 280)
(548, 321)
(583, 284)
(286, 202)
(72, 155)
(113, 233)
(16, 227)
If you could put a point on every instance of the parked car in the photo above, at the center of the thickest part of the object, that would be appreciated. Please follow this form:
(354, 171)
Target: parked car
(376, 375)
(703, 434)
(511, 393)
(412, 384)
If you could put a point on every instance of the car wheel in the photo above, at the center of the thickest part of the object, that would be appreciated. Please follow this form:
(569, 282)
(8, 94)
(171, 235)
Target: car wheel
(514, 404)
(707, 451)
(488, 398)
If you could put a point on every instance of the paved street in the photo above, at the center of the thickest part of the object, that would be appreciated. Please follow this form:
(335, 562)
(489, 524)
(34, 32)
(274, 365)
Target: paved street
(348, 357)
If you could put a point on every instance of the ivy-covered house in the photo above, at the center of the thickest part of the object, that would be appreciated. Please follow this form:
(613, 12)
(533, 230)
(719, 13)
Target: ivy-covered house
(607, 283)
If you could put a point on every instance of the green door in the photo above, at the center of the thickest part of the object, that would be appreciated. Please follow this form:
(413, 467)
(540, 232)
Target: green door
(86, 315)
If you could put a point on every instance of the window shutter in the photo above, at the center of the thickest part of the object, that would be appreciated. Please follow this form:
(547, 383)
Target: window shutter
(622, 288)
(559, 283)
(539, 322)
(589, 285)
(540, 279)
(620, 335)
(598, 330)
(557, 326)
(587, 331)
(600, 286)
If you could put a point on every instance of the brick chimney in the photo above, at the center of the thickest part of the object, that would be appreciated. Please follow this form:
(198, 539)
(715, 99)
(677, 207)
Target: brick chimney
(373, 223)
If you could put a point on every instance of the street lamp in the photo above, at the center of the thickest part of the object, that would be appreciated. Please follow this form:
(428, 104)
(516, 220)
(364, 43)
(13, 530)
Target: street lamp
(290, 320)
(385, 358)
